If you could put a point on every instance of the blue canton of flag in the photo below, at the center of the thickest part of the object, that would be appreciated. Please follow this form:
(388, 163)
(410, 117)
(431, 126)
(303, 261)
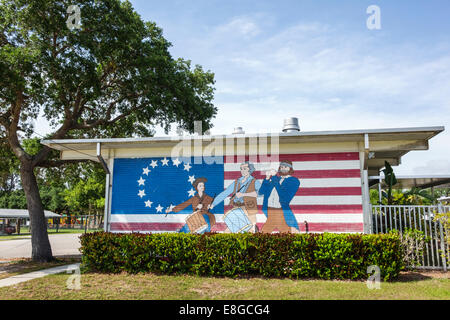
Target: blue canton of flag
(152, 185)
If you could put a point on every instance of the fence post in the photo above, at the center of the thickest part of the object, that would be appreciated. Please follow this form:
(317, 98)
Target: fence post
(444, 254)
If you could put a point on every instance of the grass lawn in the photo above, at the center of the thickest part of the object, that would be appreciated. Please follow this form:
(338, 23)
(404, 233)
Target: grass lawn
(411, 285)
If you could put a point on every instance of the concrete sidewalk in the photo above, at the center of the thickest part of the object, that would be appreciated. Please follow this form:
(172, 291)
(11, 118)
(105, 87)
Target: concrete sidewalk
(37, 274)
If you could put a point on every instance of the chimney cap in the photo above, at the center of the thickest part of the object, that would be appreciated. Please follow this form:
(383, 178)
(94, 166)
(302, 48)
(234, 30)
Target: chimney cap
(238, 130)
(291, 125)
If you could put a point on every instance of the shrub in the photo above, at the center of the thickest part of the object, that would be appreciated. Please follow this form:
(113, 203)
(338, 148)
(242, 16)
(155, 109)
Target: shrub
(444, 219)
(412, 242)
(324, 256)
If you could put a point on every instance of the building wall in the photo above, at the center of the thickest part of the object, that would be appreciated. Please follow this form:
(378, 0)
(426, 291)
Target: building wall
(329, 197)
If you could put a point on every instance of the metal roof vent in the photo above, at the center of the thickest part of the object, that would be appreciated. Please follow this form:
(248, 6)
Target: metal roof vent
(238, 130)
(291, 125)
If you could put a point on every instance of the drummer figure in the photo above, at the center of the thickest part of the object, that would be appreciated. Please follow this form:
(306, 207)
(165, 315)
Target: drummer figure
(243, 192)
(199, 202)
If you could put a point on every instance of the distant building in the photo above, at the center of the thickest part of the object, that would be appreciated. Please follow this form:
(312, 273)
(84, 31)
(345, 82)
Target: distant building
(10, 219)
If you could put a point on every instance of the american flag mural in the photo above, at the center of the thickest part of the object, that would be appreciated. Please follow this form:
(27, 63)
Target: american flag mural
(321, 192)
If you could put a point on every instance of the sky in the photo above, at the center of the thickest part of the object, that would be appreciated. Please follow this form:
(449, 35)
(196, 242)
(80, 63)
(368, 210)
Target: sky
(318, 61)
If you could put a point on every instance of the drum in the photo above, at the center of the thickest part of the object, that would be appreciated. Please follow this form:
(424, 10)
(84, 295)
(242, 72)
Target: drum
(237, 221)
(196, 222)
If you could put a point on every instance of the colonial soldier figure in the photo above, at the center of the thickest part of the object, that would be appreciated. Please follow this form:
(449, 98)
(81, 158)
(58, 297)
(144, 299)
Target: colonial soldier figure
(278, 191)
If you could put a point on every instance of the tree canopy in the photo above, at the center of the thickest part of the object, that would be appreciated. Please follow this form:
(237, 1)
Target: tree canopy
(113, 77)
(116, 69)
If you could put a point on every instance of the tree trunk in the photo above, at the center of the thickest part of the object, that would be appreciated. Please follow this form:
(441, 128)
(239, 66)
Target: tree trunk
(41, 250)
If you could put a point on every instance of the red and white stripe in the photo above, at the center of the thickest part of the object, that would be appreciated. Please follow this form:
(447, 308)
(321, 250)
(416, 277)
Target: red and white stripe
(329, 198)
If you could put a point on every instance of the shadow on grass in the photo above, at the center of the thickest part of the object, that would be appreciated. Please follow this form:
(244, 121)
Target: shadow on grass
(412, 276)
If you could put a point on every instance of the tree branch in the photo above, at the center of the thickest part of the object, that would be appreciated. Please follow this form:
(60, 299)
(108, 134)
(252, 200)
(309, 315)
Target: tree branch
(56, 163)
(106, 121)
(11, 129)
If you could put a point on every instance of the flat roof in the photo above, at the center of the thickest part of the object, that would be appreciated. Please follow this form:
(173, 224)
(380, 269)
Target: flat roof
(21, 213)
(348, 135)
(413, 181)
(387, 144)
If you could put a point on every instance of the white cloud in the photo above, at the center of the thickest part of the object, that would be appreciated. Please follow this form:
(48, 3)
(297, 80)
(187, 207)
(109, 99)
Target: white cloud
(242, 25)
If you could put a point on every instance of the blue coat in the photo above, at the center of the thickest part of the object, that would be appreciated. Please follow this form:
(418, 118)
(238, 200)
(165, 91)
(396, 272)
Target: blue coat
(286, 192)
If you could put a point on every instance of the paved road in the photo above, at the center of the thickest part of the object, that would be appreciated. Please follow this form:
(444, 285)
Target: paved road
(62, 244)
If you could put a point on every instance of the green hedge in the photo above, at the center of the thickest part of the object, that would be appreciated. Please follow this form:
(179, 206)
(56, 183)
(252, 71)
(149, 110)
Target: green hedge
(324, 256)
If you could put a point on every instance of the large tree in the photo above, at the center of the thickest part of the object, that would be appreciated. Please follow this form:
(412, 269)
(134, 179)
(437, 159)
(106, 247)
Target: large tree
(113, 77)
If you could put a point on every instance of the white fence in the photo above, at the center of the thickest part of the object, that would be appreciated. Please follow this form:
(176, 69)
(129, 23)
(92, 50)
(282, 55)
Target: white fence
(432, 247)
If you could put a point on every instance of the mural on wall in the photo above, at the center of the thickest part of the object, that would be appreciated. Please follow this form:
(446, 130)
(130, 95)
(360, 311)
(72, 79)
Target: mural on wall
(238, 195)
(163, 194)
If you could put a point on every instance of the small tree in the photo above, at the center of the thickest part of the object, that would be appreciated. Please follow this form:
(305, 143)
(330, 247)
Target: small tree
(389, 179)
(87, 197)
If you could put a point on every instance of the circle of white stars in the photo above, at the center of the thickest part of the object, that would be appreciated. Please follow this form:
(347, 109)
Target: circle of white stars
(164, 162)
